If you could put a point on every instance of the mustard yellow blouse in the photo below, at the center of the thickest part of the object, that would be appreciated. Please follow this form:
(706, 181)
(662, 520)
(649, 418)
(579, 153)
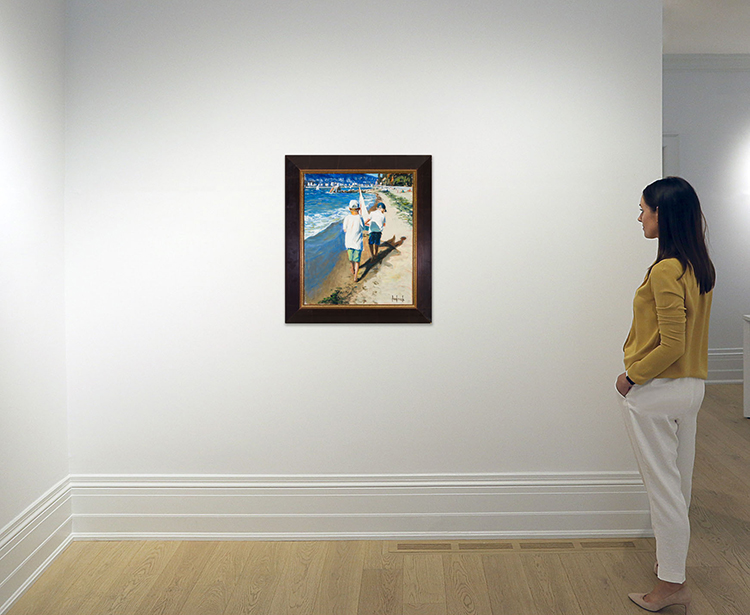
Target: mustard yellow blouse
(669, 334)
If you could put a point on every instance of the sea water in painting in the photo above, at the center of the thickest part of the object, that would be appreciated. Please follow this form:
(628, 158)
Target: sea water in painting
(358, 239)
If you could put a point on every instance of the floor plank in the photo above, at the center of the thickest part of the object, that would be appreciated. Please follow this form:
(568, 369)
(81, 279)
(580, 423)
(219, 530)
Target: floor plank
(508, 587)
(465, 585)
(89, 587)
(130, 583)
(301, 579)
(341, 581)
(424, 583)
(171, 590)
(549, 584)
(220, 578)
(381, 592)
(592, 585)
(722, 590)
(260, 580)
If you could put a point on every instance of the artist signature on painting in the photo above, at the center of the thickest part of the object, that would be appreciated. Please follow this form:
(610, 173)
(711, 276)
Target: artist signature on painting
(398, 299)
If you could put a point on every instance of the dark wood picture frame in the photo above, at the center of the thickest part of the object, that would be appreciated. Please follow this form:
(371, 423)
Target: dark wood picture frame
(420, 311)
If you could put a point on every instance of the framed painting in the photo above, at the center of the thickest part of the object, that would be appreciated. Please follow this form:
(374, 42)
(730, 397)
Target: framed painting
(358, 239)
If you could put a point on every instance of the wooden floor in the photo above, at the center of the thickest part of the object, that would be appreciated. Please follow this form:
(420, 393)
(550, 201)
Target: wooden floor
(549, 577)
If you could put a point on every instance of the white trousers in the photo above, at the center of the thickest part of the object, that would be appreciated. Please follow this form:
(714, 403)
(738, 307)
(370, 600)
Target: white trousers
(660, 417)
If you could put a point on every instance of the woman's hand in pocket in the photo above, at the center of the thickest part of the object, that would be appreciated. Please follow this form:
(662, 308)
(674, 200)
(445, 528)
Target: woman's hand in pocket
(622, 385)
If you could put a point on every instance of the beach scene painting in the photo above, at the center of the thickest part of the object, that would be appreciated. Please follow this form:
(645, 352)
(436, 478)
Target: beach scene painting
(358, 246)
(358, 238)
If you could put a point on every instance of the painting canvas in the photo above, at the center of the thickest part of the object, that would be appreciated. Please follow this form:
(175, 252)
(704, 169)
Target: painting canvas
(361, 230)
(358, 238)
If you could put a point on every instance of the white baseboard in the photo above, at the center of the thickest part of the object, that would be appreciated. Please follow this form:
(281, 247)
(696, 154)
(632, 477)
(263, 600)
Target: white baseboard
(725, 366)
(32, 541)
(359, 507)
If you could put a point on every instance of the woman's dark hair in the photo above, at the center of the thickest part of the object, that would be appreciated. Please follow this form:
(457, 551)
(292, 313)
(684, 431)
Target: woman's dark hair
(682, 228)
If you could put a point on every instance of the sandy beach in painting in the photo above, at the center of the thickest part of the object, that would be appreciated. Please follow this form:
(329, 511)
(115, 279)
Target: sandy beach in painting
(385, 280)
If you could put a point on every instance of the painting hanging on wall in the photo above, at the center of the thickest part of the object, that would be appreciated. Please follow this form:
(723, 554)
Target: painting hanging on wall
(358, 239)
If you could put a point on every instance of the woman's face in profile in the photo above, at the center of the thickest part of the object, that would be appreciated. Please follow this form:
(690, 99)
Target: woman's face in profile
(649, 218)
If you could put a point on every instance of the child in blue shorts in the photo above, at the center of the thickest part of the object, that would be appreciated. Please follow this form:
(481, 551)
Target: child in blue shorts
(377, 224)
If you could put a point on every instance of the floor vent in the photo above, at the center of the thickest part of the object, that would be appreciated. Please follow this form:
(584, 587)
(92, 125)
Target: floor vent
(484, 546)
(523, 546)
(547, 546)
(424, 546)
(613, 545)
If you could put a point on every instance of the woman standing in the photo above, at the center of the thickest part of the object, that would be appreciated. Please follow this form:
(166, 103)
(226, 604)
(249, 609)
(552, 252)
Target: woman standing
(666, 362)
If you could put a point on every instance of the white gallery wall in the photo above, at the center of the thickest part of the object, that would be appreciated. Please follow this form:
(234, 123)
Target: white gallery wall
(544, 124)
(707, 116)
(33, 421)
